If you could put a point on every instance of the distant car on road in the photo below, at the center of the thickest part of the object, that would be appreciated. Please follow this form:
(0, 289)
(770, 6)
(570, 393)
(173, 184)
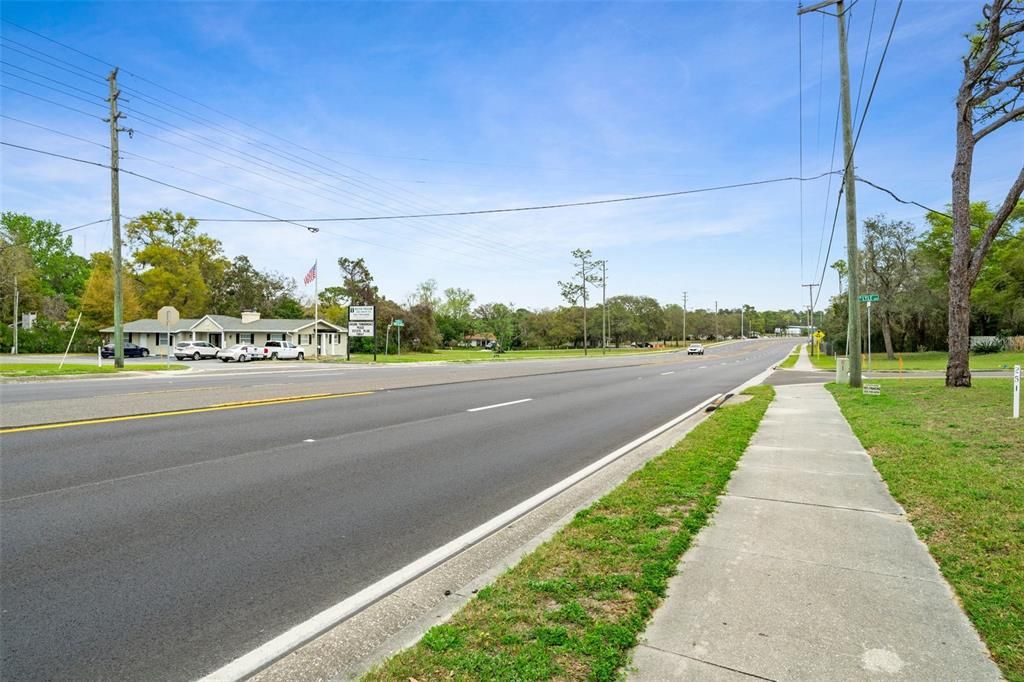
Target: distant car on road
(196, 350)
(130, 351)
(283, 350)
(695, 349)
(240, 352)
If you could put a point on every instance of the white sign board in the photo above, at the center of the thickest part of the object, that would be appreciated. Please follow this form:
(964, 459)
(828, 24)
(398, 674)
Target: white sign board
(872, 389)
(360, 313)
(360, 328)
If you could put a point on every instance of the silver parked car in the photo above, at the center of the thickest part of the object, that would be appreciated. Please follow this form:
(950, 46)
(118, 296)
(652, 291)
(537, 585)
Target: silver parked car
(196, 350)
(240, 352)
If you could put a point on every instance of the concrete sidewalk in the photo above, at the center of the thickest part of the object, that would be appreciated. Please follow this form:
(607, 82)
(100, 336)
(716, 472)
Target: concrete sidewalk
(803, 362)
(809, 570)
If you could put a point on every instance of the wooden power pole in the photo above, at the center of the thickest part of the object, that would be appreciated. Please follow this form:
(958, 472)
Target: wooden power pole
(115, 220)
(852, 255)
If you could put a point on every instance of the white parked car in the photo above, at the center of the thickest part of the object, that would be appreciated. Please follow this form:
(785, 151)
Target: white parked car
(240, 352)
(196, 350)
(283, 350)
(695, 349)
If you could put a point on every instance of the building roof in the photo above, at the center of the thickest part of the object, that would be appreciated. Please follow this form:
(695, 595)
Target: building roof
(225, 322)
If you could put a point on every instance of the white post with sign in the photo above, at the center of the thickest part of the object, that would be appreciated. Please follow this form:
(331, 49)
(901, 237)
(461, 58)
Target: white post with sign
(1016, 391)
(168, 316)
(361, 320)
(869, 336)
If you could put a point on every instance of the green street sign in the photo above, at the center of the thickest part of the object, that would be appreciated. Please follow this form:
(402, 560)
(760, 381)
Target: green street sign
(398, 323)
(866, 298)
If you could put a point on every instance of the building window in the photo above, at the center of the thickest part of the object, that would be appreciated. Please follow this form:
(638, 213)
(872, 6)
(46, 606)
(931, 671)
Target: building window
(245, 337)
(276, 336)
(161, 339)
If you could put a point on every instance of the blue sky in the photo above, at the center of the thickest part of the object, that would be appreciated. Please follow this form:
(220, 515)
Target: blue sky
(391, 108)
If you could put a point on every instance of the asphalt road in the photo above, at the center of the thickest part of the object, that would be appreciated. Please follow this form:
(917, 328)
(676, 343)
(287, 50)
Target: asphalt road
(162, 548)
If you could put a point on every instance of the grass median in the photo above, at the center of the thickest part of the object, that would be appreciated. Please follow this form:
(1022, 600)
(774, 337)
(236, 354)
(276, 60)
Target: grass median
(791, 359)
(54, 369)
(573, 609)
(954, 458)
(931, 360)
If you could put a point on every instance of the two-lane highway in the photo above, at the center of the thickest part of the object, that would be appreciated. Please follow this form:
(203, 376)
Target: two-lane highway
(165, 546)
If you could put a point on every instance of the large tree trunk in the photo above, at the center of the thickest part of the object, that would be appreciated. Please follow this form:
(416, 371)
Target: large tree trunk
(958, 374)
(887, 334)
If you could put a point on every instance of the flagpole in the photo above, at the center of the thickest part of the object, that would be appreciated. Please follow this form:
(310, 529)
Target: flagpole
(316, 311)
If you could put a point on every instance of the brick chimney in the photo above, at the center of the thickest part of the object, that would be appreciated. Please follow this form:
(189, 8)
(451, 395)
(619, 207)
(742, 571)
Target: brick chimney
(249, 316)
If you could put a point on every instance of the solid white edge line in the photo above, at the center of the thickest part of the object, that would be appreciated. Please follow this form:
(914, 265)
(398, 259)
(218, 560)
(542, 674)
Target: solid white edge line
(278, 647)
(491, 407)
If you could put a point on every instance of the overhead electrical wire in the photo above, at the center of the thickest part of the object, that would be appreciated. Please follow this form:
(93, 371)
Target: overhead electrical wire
(50, 101)
(860, 128)
(161, 182)
(546, 207)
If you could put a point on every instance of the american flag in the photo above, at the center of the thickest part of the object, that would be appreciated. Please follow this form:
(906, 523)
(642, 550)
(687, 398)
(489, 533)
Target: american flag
(311, 275)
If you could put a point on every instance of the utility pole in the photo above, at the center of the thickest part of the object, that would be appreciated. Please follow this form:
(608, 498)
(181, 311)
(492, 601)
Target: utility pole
(742, 312)
(14, 346)
(852, 255)
(604, 307)
(115, 218)
(810, 309)
(583, 277)
(684, 317)
(716, 320)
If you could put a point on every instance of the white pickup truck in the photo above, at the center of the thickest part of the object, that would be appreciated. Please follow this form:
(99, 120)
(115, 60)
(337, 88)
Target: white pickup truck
(283, 350)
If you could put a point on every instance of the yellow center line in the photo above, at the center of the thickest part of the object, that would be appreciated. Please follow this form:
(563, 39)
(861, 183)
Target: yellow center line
(194, 410)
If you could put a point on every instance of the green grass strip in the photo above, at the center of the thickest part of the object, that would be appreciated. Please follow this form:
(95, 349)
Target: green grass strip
(954, 458)
(54, 369)
(791, 359)
(573, 608)
(930, 360)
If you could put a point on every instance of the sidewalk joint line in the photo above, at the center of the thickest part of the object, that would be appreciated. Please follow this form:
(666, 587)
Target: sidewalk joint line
(815, 504)
(714, 665)
(823, 565)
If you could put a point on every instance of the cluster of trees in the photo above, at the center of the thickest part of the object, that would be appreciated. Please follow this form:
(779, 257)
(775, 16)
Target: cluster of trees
(910, 272)
(436, 318)
(169, 262)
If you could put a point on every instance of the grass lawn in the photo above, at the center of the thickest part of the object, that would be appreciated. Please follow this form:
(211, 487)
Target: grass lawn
(572, 609)
(476, 355)
(54, 369)
(791, 358)
(954, 459)
(934, 360)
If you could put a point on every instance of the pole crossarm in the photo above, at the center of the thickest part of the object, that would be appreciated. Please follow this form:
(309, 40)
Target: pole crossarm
(815, 7)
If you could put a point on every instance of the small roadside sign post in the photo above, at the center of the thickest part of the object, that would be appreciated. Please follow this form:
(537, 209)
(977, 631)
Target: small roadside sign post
(168, 316)
(361, 323)
(1016, 391)
(398, 324)
(819, 336)
(868, 298)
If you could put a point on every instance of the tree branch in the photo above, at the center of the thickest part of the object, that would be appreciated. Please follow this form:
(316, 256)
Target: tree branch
(996, 224)
(999, 123)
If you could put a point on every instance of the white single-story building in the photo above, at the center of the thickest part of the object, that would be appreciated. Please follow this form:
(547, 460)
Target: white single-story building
(225, 330)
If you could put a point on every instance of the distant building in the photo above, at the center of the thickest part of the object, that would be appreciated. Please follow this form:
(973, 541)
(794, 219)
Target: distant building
(225, 330)
(479, 340)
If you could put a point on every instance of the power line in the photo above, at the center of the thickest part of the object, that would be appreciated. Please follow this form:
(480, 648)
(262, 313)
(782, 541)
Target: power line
(52, 80)
(545, 207)
(456, 231)
(49, 101)
(164, 184)
(54, 89)
(49, 59)
(79, 227)
(860, 127)
(52, 130)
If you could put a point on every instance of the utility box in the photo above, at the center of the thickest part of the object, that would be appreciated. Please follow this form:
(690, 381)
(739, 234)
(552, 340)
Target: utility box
(842, 370)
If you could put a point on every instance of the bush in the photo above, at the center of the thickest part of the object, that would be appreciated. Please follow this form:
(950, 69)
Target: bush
(987, 347)
(49, 337)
